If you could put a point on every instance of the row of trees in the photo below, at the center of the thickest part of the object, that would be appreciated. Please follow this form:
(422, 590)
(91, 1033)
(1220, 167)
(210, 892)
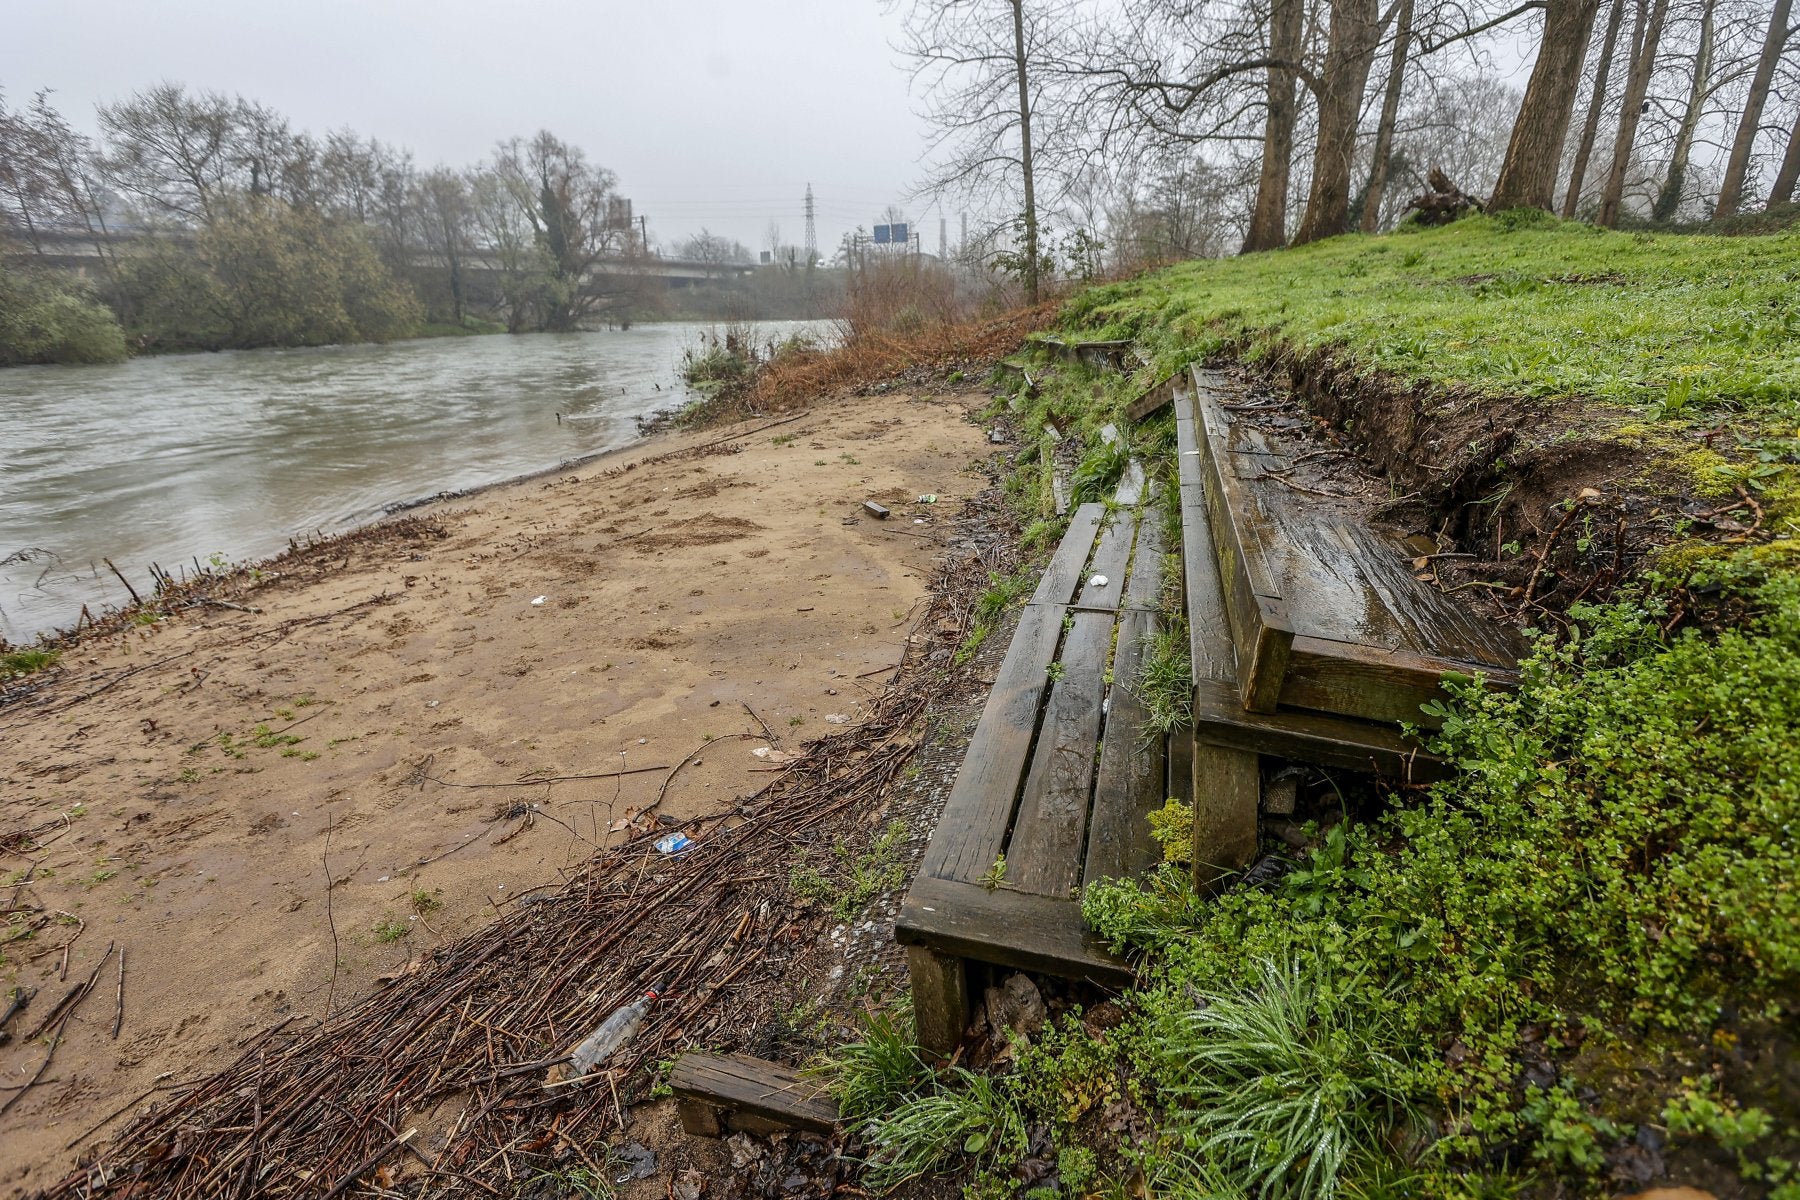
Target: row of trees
(209, 221)
(1179, 129)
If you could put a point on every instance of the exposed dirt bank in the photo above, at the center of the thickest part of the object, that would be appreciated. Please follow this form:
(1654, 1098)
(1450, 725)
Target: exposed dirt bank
(183, 791)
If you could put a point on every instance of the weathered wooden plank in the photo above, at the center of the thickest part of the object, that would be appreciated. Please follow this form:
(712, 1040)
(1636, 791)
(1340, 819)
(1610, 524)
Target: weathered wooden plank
(1006, 927)
(1153, 399)
(1376, 684)
(1210, 640)
(1227, 791)
(1112, 555)
(979, 807)
(1179, 784)
(1144, 588)
(738, 1092)
(940, 996)
(1067, 569)
(1131, 485)
(1130, 783)
(1329, 741)
(1043, 856)
(1261, 635)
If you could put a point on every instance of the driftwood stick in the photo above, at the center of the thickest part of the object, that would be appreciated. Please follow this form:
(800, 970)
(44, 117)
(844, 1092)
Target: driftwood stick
(368, 1164)
(119, 998)
(134, 596)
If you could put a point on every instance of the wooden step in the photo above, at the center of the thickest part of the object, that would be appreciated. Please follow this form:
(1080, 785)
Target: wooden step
(1325, 613)
(719, 1092)
(1057, 784)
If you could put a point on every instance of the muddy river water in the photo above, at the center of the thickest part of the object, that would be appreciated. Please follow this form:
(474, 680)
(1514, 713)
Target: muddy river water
(170, 459)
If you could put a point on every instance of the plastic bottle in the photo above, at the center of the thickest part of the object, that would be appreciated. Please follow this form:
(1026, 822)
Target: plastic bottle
(613, 1033)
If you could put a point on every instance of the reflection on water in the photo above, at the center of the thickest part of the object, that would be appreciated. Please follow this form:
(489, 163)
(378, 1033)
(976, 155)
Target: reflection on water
(167, 459)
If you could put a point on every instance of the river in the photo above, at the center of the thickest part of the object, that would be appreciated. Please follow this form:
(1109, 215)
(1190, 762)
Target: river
(170, 459)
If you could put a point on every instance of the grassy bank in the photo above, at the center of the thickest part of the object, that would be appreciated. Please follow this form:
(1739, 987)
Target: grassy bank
(1572, 969)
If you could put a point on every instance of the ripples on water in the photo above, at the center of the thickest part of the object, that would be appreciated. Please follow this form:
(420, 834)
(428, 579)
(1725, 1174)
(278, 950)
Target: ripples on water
(168, 459)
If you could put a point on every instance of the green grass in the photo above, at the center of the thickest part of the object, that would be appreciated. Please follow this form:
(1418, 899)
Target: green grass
(27, 662)
(1498, 305)
(856, 879)
(1613, 863)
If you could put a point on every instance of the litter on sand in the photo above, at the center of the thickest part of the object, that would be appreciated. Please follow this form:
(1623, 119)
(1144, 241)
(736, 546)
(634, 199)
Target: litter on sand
(539, 602)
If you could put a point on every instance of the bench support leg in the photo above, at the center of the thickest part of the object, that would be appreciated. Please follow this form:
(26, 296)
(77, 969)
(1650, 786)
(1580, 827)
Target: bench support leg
(940, 990)
(1227, 790)
(699, 1119)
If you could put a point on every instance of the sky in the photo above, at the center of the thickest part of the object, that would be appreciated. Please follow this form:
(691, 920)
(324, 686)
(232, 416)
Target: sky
(712, 113)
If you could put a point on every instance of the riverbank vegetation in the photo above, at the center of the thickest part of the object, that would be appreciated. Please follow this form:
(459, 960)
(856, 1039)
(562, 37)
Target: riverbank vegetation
(205, 221)
(1571, 968)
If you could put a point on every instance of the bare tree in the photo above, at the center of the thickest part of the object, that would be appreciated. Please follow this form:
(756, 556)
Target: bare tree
(1528, 176)
(1668, 198)
(170, 149)
(977, 65)
(1789, 171)
(1590, 126)
(1390, 113)
(1738, 164)
(1355, 34)
(1268, 212)
(1646, 37)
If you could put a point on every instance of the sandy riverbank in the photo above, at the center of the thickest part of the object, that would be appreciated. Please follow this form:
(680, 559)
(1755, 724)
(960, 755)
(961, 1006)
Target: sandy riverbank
(191, 812)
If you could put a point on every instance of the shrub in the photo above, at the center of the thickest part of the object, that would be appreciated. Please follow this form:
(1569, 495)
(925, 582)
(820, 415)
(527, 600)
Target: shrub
(44, 319)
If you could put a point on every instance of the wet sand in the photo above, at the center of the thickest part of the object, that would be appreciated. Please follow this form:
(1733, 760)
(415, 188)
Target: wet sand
(406, 701)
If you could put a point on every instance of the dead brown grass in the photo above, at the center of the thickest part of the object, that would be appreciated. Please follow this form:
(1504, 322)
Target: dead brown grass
(869, 357)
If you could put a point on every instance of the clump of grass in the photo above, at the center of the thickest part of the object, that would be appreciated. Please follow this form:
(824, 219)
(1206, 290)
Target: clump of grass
(859, 878)
(1284, 1085)
(962, 1115)
(870, 1075)
(1166, 680)
(989, 608)
(27, 662)
(390, 929)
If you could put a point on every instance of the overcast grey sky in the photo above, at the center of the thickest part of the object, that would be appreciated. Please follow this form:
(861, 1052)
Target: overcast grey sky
(711, 112)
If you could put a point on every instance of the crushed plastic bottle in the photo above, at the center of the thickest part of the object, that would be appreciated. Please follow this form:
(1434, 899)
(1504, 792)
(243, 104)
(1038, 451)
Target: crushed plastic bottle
(614, 1033)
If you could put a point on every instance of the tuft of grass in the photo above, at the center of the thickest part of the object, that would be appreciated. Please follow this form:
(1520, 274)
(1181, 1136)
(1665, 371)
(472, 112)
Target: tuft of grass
(1165, 680)
(1002, 591)
(868, 875)
(877, 1071)
(1282, 1086)
(27, 662)
(964, 1114)
(390, 930)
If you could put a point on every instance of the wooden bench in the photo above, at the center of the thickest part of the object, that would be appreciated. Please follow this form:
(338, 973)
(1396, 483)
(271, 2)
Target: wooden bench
(719, 1092)
(1057, 784)
(1311, 638)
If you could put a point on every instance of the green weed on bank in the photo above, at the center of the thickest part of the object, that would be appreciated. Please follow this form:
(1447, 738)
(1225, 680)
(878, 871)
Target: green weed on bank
(1614, 865)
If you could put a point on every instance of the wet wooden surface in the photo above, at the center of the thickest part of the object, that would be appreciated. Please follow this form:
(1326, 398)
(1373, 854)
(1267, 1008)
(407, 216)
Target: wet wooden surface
(718, 1092)
(1325, 610)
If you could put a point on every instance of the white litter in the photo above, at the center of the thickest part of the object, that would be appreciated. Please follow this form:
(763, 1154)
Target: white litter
(539, 602)
(837, 718)
(1097, 581)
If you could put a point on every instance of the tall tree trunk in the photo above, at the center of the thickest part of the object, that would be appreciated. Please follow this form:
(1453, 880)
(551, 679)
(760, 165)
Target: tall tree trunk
(1783, 191)
(1355, 32)
(1668, 200)
(1031, 221)
(1268, 217)
(1390, 111)
(1590, 127)
(1534, 153)
(1643, 62)
(1738, 165)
